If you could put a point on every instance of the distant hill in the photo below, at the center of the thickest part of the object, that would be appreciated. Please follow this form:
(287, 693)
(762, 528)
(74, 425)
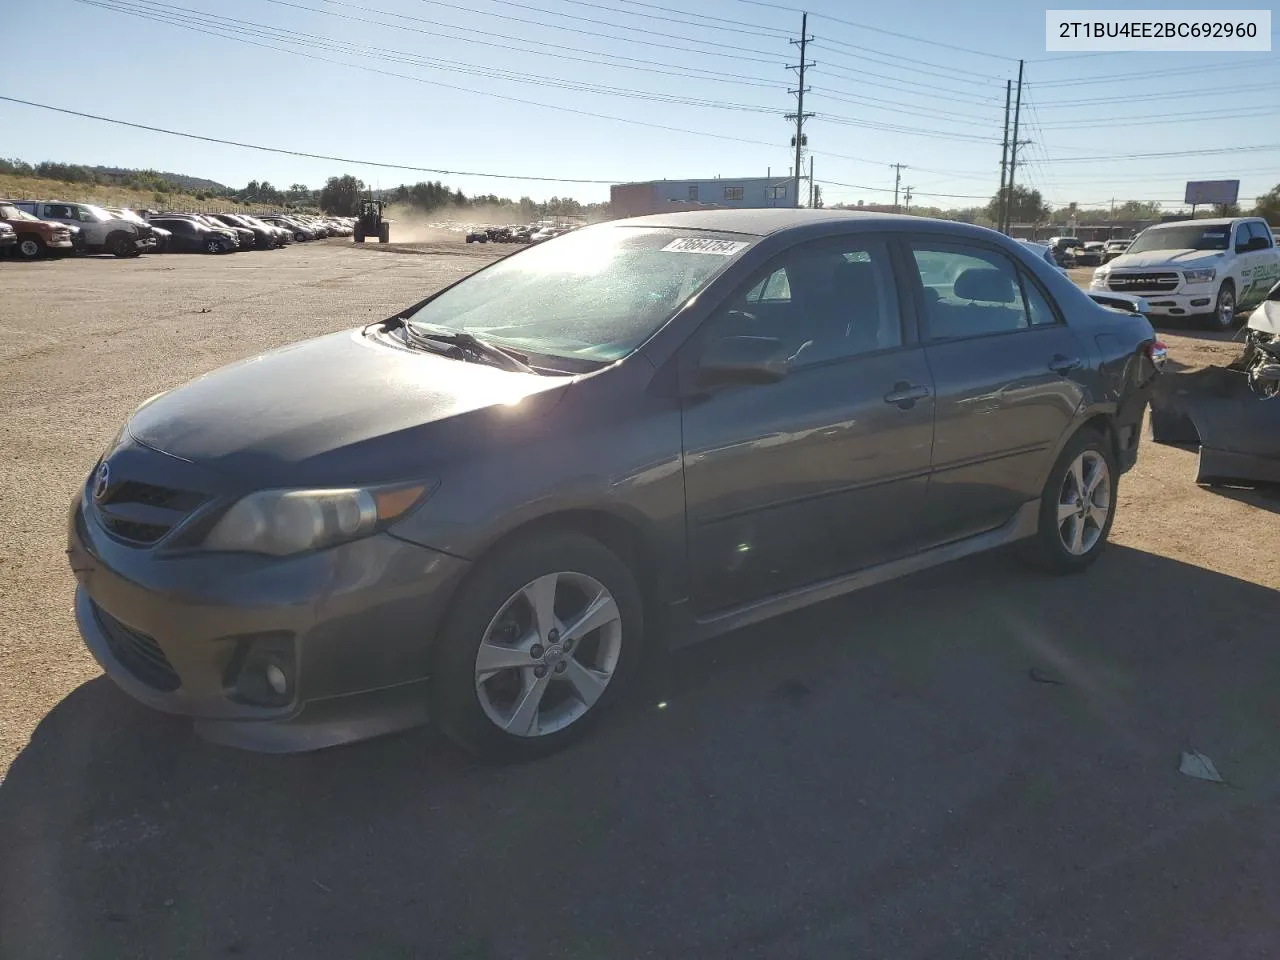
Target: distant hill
(181, 180)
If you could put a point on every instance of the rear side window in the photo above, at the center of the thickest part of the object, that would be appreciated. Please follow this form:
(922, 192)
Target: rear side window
(971, 291)
(1037, 303)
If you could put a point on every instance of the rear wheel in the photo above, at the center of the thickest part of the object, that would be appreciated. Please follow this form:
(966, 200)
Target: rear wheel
(540, 642)
(359, 234)
(384, 233)
(1077, 505)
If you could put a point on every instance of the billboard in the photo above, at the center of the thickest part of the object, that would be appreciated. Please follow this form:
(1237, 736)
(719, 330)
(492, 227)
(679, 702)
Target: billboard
(1212, 191)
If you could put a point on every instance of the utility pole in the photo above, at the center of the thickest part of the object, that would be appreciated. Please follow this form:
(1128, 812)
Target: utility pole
(799, 140)
(1013, 151)
(897, 179)
(1001, 197)
(811, 181)
(907, 198)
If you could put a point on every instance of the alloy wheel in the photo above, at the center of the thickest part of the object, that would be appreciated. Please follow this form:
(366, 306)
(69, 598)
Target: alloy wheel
(29, 248)
(1226, 308)
(548, 654)
(1084, 503)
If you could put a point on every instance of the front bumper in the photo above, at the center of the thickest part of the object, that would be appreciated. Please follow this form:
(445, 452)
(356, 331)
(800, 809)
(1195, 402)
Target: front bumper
(357, 621)
(66, 244)
(1184, 303)
(8, 240)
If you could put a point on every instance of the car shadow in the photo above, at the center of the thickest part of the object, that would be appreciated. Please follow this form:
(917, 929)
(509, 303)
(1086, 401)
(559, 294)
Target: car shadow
(1262, 496)
(976, 761)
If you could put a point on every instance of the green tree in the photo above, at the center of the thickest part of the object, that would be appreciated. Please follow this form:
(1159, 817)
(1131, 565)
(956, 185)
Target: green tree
(341, 196)
(1268, 205)
(1026, 206)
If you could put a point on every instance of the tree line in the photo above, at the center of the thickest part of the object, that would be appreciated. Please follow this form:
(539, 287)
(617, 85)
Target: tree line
(340, 196)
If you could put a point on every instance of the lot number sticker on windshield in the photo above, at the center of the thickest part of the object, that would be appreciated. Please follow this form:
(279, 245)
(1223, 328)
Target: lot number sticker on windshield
(723, 248)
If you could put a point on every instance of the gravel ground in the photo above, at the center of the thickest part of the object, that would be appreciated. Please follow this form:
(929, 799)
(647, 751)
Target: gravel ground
(991, 772)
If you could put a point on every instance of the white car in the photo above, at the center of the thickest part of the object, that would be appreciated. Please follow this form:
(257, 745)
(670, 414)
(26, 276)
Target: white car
(1206, 269)
(100, 231)
(1043, 251)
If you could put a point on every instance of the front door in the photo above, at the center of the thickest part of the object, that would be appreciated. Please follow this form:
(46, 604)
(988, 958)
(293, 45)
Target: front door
(826, 470)
(1008, 373)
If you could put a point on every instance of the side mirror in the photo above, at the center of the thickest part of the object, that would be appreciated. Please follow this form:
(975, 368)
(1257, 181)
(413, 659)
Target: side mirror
(744, 360)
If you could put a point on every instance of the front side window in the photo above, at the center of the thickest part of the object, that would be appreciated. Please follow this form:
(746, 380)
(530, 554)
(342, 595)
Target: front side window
(824, 301)
(1258, 230)
(594, 294)
(969, 291)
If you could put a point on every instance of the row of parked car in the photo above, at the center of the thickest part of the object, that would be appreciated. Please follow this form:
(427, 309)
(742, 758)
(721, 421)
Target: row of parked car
(30, 229)
(514, 234)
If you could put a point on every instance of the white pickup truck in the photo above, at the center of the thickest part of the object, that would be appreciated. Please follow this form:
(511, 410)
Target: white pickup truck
(1207, 269)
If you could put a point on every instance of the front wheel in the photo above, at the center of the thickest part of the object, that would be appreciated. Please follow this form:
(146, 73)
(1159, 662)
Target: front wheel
(121, 245)
(213, 246)
(1224, 310)
(1077, 505)
(30, 247)
(540, 641)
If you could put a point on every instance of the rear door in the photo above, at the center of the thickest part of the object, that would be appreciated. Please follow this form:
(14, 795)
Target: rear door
(1009, 375)
(826, 470)
(1262, 266)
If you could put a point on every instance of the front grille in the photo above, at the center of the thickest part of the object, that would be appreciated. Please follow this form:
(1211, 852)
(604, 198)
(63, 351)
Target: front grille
(138, 653)
(142, 512)
(1143, 282)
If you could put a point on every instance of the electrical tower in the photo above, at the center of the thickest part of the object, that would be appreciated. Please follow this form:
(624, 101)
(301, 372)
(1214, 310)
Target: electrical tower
(799, 140)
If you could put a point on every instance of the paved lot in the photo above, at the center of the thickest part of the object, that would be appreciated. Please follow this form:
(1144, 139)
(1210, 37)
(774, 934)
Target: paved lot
(974, 762)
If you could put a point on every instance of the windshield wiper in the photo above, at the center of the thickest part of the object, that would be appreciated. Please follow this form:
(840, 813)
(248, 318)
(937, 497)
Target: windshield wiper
(466, 343)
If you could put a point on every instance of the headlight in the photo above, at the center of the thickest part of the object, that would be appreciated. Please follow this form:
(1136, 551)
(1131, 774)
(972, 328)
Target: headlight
(1199, 276)
(281, 522)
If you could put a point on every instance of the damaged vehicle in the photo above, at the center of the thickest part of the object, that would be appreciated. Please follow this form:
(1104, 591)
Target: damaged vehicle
(489, 508)
(1230, 412)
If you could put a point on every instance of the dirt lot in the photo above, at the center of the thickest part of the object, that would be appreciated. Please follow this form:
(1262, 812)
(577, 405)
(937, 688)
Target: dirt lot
(974, 762)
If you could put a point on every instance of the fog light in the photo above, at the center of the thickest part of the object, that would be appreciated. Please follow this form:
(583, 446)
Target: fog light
(275, 676)
(262, 670)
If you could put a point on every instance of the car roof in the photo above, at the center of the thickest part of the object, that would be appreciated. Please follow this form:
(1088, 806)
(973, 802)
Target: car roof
(777, 219)
(1205, 222)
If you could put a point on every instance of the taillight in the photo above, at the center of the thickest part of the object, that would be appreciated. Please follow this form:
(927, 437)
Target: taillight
(1158, 352)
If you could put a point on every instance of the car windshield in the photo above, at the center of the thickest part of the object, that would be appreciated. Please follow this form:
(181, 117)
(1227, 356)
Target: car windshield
(1183, 237)
(594, 295)
(97, 213)
(9, 212)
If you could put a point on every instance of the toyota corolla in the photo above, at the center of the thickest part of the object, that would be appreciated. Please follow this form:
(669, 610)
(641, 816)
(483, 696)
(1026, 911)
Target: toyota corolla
(488, 508)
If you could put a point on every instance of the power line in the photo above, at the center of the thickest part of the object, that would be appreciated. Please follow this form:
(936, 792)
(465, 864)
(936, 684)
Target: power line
(866, 50)
(1113, 77)
(1170, 95)
(543, 48)
(898, 107)
(299, 153)
(1170, 153)
(933, 91)
(717, 23)
(449, 86)
(915, 70)
(244, 28)
(603, 23)
(887, 33)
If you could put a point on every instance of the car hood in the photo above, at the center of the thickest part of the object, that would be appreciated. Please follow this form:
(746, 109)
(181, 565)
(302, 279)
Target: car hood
(1183, 259)
(340, 409)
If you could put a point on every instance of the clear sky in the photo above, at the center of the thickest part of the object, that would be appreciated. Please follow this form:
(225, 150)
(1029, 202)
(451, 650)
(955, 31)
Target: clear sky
(510, 88)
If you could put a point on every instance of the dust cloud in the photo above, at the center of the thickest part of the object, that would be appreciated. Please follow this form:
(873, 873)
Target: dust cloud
(410, 225)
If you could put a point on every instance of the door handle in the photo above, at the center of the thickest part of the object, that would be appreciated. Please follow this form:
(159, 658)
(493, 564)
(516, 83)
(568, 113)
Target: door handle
(1061, 364)
(906, 394)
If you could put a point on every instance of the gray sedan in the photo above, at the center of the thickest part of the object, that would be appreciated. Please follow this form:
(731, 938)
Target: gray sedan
(489, 508)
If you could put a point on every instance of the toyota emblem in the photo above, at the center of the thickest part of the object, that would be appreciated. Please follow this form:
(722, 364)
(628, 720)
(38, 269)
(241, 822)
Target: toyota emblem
(101, 482)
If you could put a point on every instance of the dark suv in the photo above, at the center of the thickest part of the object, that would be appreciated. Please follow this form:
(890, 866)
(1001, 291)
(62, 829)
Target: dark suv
(485, 508)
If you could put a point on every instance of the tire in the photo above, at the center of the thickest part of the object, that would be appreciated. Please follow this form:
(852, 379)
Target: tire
(121, 245)
(1224, 308)
(481, 714)
(384, 233)
(359, 236)
(213, 246)
(30, 247)
(1056, 545)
